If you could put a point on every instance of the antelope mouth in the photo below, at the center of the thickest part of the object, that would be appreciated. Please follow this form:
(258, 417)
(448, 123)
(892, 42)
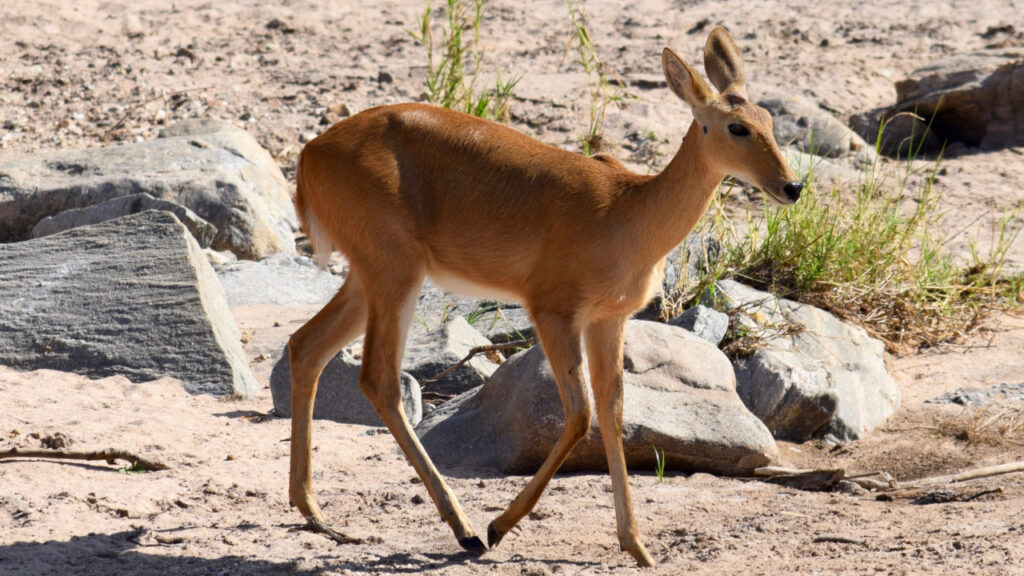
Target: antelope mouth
(789, 193)
(778, 199)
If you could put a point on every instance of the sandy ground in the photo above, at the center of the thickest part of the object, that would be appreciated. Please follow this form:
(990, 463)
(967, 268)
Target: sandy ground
(95, 73)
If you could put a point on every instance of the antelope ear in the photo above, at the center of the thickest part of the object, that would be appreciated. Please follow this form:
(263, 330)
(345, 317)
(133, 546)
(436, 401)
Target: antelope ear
(684, 81)
(724, 63)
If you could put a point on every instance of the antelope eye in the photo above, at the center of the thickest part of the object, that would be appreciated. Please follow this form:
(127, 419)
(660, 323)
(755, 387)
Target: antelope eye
(738, 130)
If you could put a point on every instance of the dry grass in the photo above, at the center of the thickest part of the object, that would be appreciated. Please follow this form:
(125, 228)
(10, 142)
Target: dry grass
(996, 425)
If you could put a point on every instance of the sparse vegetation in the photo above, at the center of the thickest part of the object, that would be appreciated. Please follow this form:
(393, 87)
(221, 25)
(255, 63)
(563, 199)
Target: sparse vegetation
(998, 425)
(134, 468)
(451, 77)
(659, 463)
(866, 257)
(603, 88)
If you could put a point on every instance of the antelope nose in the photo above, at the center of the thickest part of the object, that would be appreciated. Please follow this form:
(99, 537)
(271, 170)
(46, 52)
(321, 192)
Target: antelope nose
(793, 190)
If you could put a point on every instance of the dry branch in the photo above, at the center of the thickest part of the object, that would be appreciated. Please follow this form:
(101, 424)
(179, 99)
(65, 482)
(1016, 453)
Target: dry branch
(481, 350)
(975, 474)
(828, 477)
(836, 539)
(109, 455)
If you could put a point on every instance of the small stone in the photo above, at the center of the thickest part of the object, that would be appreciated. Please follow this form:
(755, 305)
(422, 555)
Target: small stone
(851, 488)
(340, 108)
(280, 25)
(708, 323)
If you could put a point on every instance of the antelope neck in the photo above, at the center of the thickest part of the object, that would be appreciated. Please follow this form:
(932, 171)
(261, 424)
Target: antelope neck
(671, 203)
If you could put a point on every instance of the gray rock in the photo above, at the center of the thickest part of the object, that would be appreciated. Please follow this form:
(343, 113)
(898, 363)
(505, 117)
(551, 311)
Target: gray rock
(430, 354)
(338, 396)
(830, 378)
(281, 279)
(133, 296)
(214, 169)
(805, 126)
(201, 230)
(680, 396)
(976, 99)
(708, 323)
(696, 254)
(975, 396)
(902, 134)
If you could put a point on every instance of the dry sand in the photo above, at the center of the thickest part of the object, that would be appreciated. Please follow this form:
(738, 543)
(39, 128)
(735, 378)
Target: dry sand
(93, 73)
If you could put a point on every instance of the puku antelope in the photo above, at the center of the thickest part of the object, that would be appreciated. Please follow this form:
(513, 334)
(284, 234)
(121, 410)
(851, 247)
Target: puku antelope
(410, 191)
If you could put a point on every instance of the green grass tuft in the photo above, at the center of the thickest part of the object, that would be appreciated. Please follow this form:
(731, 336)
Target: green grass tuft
(869, 254)
(659, 463)
(451, 76)
(603, 88)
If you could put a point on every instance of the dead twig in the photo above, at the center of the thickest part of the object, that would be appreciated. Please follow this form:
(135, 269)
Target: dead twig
(837, 539)
(481, 350)
(944, 496)
(810, 480)
(109, 455)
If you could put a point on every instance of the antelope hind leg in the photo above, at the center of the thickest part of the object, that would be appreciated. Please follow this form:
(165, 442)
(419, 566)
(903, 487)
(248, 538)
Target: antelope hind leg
(310, 349)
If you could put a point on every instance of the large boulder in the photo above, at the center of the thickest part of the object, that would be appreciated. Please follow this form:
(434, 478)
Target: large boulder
(976, 99)
(708, 323)
(212, 168)
(679, 397)
(133, 296)
(827, 377)
(802, 124)
(280, 280)
(201, 230)
(338, 396)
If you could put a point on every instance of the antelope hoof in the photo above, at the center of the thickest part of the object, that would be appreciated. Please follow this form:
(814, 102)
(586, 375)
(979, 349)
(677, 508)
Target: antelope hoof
(643, 559)
(473, 544)
(316, 525)
(493, 536)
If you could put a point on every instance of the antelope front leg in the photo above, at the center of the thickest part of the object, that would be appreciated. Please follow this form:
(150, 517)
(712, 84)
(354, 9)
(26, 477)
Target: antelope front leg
(604, 348)
(561, 342)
